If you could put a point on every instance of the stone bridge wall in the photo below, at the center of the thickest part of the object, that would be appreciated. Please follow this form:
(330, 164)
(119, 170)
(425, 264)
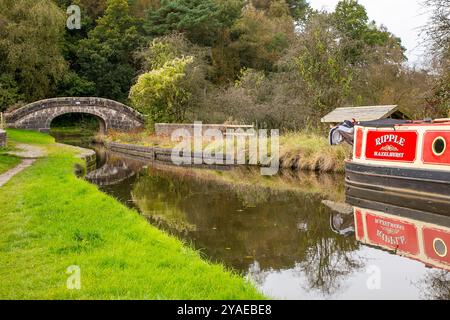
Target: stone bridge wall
(39, 115)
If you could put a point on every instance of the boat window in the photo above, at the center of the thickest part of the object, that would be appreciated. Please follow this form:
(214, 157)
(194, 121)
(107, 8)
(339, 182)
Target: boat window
(439, 247)
(439, 146)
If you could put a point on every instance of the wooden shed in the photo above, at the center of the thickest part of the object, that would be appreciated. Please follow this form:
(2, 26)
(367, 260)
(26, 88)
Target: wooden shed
(366, 113)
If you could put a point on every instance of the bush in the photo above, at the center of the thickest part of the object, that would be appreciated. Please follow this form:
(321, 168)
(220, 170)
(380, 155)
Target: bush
(157, 93)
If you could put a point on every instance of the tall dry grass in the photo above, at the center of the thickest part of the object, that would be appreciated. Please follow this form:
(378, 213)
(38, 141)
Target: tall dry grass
(311, 151)
(303, 150)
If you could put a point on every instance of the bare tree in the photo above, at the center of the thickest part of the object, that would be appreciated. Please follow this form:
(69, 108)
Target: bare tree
(437, 30)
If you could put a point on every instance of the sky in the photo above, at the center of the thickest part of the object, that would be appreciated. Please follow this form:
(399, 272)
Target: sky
(404, 18)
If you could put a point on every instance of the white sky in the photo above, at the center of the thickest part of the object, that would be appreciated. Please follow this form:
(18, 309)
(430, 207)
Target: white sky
(404, 18)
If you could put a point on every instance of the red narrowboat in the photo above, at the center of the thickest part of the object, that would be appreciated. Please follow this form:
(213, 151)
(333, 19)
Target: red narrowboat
(409, 160)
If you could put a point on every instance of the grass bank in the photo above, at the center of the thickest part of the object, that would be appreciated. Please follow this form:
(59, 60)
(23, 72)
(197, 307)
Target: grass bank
(7, 161)
(311, 151)
(51, 220)
(298, 150)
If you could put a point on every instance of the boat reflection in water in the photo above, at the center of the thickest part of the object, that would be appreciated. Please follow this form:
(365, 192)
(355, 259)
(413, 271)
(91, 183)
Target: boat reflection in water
(419, 235)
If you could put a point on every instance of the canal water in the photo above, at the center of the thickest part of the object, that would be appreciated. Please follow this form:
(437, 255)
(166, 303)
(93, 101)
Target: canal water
(292, 234)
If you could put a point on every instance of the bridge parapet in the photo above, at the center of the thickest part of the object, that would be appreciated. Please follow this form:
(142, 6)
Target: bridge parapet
(39, 115)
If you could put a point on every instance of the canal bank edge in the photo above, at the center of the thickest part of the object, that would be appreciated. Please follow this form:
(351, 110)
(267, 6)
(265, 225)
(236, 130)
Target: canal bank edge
(61, 222)
(298, 152)
(87, 155)
(164, 155)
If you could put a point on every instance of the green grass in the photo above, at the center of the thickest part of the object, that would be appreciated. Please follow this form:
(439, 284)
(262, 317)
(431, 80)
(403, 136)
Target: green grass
(51, 220)
(26, 136)
(7, 162)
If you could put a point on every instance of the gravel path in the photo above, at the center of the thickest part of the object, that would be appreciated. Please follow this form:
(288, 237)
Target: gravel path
(28, 152)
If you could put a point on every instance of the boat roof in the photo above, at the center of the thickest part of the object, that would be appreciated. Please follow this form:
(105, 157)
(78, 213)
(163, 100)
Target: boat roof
(364, 113)
(389, 123)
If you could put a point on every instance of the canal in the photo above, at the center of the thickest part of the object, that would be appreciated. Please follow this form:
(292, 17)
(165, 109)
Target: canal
(292, 234)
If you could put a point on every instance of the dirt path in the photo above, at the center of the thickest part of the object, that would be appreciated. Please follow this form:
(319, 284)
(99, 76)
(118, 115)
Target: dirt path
(29, 154)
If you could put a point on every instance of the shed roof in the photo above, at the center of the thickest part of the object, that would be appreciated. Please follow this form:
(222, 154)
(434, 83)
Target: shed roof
(366, 113)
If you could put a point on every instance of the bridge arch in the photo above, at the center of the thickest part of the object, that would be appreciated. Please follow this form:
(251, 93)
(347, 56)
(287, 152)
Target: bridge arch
(103, 126)
(40, 114)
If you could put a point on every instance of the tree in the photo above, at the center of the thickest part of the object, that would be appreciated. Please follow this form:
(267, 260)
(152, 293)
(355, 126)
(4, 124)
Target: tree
(31, 62)
(437, 32)
(157, 93)
(106, 56)
(298, 9)
(321, 62)
(91, 8)
(262, 36)
(438, 28)
(225, 60)
(230, 11)
(165, 49)
(350, 18)
(73, 83)
(200, 20)
(9, 91)
(139, 8)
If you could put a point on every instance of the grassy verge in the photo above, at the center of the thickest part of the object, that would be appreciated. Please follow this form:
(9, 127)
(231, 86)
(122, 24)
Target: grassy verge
(310, 151)
(7, 161)
(51, 220)
(298, 150)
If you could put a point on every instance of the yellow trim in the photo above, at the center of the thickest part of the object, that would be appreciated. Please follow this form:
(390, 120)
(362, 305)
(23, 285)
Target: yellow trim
(445, 247)
(434, 149)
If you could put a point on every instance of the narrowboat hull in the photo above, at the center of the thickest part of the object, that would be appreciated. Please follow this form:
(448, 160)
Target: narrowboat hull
(418, 188)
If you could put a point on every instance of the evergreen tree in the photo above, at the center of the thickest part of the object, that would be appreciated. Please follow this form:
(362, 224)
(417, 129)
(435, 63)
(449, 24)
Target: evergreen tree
(200, 20)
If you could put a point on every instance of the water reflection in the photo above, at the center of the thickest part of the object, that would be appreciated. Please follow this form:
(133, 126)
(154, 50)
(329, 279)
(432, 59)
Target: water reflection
(435, 285)
(293, 235)
(418, 235)
(112, 168)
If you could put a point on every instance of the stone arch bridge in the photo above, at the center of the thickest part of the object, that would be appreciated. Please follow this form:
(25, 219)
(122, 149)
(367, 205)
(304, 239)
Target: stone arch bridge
(40, 114)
